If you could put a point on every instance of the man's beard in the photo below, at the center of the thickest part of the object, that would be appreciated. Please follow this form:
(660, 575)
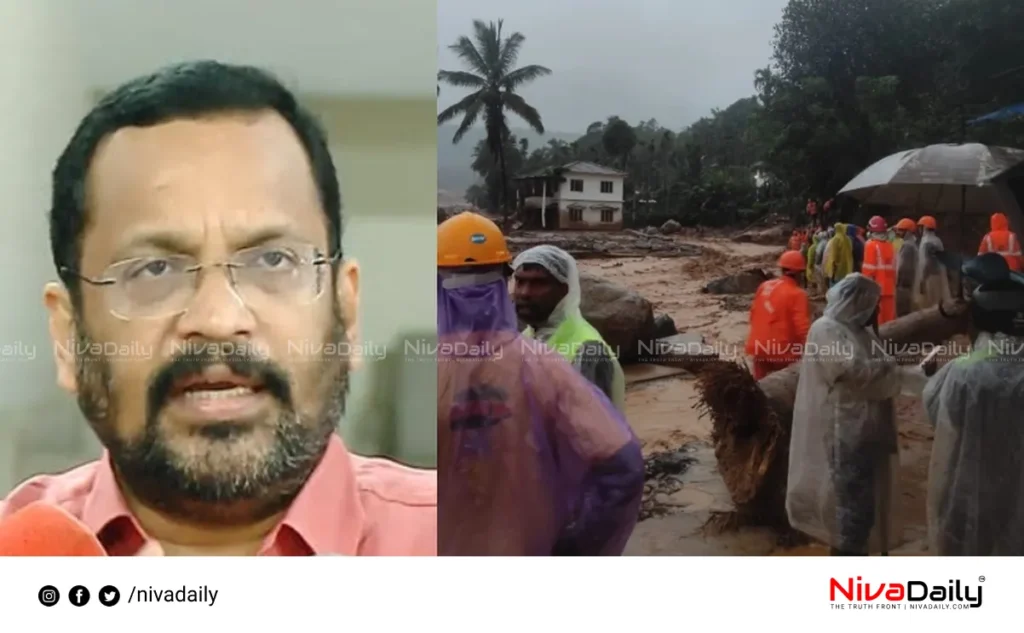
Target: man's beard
(162, 478)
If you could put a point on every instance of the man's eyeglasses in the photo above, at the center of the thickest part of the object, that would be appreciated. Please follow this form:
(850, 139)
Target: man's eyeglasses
(159, 287)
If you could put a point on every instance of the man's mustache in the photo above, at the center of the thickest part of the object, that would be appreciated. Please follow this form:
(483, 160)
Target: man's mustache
(239, 360)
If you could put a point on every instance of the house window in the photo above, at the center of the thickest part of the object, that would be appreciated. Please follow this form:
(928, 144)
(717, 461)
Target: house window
(607, 186)
(576, 215)
(607, 215)
(576, 184)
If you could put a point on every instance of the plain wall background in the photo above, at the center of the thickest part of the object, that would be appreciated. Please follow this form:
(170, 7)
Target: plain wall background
(368, 69)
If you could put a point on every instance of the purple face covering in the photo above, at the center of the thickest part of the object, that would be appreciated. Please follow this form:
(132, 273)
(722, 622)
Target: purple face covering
(474, 303)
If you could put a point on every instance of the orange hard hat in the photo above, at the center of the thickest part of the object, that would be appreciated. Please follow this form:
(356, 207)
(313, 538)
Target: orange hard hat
(470, 239)
(927, 222)
(906, 224)
(792, 260)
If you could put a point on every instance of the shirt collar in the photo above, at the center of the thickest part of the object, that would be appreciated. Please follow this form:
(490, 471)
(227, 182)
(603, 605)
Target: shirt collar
(327, 514)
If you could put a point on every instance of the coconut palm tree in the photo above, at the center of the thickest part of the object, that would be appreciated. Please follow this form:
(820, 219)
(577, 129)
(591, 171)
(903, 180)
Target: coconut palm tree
(490, 59)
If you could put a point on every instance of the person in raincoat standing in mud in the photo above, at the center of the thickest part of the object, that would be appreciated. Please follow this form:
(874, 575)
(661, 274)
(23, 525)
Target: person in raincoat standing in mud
(976, 475)
(843, 449)
(931, 282)
(533, 460)
(906, 266)
(838, 256)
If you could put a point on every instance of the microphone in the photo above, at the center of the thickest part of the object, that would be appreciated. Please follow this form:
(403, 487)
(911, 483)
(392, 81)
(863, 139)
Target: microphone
(41, 529)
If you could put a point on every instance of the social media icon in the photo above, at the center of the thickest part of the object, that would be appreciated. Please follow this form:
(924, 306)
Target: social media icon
(79, 596)
(109, 596)
(49, 596)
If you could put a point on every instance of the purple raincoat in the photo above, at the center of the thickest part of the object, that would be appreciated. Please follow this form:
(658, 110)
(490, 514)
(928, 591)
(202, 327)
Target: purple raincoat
(533, 460)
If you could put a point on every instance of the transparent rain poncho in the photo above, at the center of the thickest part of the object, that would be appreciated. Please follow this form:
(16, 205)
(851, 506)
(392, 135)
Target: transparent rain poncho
(532, 458)
(976, 475)
(843, 451)
(931, 280)
(906, 274)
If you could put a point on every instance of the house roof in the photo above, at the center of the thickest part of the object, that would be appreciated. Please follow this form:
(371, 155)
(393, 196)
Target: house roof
(575, 167)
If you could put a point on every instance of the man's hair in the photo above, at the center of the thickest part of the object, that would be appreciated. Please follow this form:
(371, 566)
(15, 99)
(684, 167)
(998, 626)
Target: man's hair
(188, 90)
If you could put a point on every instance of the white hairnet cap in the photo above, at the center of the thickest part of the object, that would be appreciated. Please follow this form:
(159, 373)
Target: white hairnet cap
(562, 266)
(853, 300)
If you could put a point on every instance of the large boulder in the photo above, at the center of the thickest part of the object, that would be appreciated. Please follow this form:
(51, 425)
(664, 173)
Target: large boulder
(670, 227)
(623, 317)
(742, 283)
(772, 236)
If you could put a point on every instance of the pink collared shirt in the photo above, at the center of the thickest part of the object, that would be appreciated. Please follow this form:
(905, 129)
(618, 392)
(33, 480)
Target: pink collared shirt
(351, 505)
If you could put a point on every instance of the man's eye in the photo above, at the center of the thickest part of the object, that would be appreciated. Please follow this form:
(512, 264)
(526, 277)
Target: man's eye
(149, 269)
(277, 259)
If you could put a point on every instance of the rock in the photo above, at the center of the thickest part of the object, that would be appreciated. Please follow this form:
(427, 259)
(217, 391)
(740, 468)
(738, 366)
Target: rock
(743, 283)
(650, 230)
(776, 235)
(670, 227)
(664, 326)
(620, 314)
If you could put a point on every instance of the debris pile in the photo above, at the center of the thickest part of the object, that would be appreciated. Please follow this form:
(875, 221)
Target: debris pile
(605, 244)
(663, 471)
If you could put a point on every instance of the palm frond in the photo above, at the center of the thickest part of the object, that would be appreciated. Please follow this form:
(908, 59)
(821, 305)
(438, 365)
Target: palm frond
(524, 75)
(461, 79)
(461, 107)
(488, 41)
(467, 51)
(510, 52)
(472, 114)
(515, 103)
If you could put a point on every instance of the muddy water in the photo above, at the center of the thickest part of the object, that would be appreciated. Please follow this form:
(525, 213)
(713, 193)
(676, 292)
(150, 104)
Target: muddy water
(661, 411)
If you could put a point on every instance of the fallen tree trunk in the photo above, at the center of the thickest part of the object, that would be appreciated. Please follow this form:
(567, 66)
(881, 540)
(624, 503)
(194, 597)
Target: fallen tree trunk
(751, 420)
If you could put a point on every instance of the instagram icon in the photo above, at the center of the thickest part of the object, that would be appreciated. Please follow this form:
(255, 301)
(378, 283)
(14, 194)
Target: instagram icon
(49, 596)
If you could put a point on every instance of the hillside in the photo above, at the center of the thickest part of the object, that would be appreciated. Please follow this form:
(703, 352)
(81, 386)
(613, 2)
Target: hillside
(453, 171)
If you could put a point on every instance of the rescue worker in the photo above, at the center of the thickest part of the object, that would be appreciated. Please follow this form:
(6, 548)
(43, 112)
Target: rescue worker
(532, 458)
(795, 239)
(976, 478)
(856, 234)
(931, 280)
(904, 227)
(547, 298)
(906, 266)
(843, 447)
(809, 257)
(1003, 241)
(880, 267)
(779, 318)
(819, 258)
(839, 255)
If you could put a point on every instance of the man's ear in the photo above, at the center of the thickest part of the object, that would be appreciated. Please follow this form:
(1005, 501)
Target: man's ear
(348, 303)
(62, 334)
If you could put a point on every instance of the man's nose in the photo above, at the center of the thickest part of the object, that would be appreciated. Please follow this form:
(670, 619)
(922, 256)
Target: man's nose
(217, 311)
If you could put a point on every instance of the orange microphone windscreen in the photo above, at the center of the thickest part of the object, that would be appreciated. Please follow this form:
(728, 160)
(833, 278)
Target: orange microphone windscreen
(41, 529)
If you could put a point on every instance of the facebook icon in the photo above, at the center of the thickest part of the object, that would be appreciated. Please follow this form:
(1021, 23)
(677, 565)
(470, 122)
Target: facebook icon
(79, 596)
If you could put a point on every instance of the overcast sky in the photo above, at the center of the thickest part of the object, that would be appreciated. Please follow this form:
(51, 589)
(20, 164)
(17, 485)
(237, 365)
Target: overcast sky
(673, 60)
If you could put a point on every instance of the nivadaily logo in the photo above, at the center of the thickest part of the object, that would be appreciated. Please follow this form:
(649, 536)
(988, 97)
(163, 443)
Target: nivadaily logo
(911, 594)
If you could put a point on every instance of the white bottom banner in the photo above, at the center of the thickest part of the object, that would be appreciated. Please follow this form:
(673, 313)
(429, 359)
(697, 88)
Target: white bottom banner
(462, 594)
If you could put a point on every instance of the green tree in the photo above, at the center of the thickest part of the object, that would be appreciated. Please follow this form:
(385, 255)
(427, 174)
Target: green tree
(490, 60)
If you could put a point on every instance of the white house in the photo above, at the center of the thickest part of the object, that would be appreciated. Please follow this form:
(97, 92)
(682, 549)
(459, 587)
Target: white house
(578, 195)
